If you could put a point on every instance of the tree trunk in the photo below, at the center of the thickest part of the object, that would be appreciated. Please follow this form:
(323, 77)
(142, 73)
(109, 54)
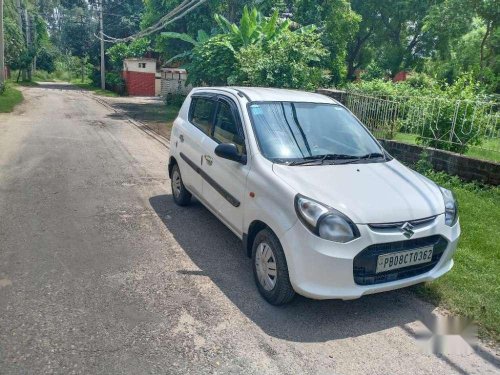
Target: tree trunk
(2, 48)
(354, 52)
(483, 43)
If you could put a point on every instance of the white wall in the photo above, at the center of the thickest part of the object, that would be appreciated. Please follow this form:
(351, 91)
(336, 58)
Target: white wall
(136, 65)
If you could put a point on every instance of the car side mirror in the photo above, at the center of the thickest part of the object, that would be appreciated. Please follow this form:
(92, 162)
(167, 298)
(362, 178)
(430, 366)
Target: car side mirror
(230, 151)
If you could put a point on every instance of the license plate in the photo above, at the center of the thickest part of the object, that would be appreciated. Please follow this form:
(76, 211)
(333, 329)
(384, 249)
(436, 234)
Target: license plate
(393, 261)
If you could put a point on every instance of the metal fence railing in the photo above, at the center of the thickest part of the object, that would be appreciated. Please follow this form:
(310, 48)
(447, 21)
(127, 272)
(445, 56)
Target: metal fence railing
(463, 126)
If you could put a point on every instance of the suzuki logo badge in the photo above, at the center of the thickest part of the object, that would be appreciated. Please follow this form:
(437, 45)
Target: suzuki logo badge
(407, 230)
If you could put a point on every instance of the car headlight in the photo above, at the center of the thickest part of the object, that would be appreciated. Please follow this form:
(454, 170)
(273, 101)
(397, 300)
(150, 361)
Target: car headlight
(450, 207)
(325, 221)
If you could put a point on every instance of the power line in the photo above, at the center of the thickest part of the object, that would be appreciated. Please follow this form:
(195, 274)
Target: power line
(178, 12)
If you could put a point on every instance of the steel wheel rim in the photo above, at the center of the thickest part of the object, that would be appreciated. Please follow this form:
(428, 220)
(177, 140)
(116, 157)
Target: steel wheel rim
(265, 264)
(176, 183)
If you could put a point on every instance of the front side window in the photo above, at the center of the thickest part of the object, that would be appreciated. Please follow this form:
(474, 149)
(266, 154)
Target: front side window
(226, 127)
(288, 132)
(202, 110)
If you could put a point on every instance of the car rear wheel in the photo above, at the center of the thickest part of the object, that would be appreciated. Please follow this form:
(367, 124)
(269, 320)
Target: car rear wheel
(270, 269)
(181, 195)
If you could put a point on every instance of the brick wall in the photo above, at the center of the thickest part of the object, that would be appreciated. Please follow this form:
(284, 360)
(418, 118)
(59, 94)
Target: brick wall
(338, 95)
(140, 84)
(455, 164)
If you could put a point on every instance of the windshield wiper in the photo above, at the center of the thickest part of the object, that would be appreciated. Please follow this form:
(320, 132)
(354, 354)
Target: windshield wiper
(346, 159)
(372, 155)
(319, 159)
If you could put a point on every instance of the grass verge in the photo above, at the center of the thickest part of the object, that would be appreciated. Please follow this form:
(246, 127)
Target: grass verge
(158, 116)
(87, 85)
(472, 287)
(10, 98)
(485, 152)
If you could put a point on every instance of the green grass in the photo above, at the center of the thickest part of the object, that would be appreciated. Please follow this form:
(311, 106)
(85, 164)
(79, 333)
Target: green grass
(480, 153)
(158, 116)
(472, 287)
(10, 98)
(87, 85)
(485, 152)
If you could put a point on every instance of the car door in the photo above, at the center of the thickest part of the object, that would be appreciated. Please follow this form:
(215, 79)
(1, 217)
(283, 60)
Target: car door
(192, 134)
(224, 181)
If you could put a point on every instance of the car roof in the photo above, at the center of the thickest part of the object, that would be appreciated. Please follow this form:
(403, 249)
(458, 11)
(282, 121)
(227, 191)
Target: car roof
(268, 94)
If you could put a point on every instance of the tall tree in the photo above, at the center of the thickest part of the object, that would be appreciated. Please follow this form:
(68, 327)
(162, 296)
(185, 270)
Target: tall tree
(2, 48)
(359, 50)
(339, 24)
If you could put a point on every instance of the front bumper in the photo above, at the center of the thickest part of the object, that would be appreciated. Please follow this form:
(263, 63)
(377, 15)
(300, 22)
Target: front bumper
(323, 269)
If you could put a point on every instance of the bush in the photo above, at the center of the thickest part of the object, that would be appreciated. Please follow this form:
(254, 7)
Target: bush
(442, 116)
(421, 81)
(288, 61)
(213, 61)
(174, 100)
(121, 51)
(46, 59)
(115, 83)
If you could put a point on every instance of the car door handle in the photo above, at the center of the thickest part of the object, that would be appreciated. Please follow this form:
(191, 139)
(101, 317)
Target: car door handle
(181, 138)
(209, 159)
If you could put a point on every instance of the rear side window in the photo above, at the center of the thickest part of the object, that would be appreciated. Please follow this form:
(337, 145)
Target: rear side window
(226, 127)
(202, 111)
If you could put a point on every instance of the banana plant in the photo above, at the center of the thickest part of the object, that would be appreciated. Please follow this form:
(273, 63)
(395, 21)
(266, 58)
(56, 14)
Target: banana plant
(253, 26)
(201, 38)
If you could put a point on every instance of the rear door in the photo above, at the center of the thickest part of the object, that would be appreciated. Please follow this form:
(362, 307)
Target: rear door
(224, 181)
(192, 134)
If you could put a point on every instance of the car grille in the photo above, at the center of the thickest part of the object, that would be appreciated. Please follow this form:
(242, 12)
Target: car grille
(365, 263)
(416, 223)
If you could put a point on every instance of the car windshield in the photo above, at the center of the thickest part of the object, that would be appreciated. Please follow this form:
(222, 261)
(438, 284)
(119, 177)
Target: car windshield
(297, 133)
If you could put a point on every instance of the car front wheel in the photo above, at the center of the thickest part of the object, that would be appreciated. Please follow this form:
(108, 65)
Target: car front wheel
(270, 269)
(181, 195)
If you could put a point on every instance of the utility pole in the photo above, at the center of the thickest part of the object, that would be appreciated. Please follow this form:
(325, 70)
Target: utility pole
(34, 40)
(2, 48)
(28, 39)
(101, 34)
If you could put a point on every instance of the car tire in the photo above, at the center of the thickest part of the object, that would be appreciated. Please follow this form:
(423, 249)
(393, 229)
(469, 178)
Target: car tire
(267, 254)
(181, 195)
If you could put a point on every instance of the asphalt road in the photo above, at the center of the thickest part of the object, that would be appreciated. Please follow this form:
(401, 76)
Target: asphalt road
(101, 274)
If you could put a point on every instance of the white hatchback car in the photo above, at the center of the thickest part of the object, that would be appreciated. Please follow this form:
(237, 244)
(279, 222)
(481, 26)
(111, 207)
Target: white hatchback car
(322, 209)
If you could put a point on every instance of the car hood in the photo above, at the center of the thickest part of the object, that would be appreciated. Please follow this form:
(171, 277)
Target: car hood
(367, 193)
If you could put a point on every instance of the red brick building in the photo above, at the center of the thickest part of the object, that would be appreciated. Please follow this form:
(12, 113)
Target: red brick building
(140, 76)
(400, 76)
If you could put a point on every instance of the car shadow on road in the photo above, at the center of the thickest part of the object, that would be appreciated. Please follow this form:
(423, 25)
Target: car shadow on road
(219, 255)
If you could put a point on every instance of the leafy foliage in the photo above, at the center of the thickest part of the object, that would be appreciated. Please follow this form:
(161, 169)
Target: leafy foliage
(121, 51)
(291, 60)
(253, 28)
(430, 109)
(339, 25)
(258, 51)
(213, 61)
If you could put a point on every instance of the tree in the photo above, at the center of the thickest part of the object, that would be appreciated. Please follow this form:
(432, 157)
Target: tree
(121, 51)
(290, 60)
(258, 51)
(2, 49)
(338, 23)
(253, 28)
(360, 49)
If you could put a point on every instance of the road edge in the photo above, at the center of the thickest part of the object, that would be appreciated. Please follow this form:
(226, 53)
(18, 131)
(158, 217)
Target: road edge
(164, 141)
